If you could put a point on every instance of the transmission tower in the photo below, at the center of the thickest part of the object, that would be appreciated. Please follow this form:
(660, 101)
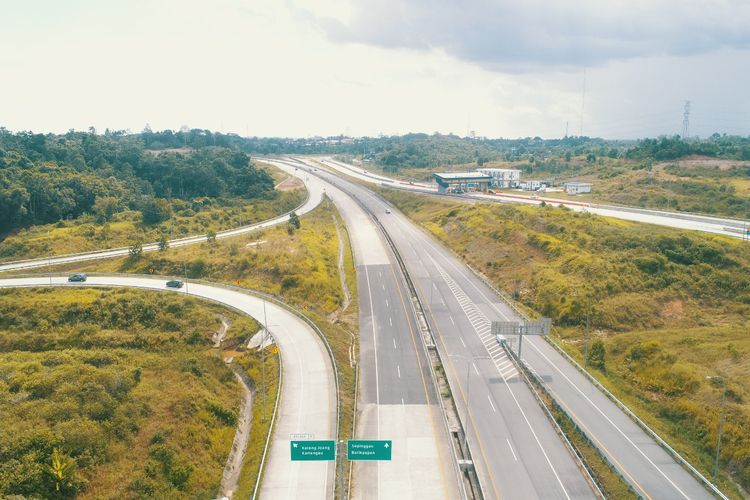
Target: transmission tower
(686, 121)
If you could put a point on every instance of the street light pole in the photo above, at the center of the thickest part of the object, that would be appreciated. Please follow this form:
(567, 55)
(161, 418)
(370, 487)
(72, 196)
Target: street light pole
(586, 333)
(721, 423)
(466, 417)
(263, 351)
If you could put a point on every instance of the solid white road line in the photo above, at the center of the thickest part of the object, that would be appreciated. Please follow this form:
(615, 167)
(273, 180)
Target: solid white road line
(511, 450)
(456, 289)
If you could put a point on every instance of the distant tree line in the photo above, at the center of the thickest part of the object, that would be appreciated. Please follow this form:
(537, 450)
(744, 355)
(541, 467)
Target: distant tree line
(45, 178)
(48, 177)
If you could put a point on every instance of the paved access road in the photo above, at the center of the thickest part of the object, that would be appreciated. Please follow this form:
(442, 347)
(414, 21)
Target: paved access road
(307, 402)
(397, 399)
(680, 220)
(315, 195)
(461, 307)
(516, 449)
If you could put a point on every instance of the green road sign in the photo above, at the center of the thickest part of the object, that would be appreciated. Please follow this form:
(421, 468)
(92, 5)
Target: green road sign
(369, 449)
(313, 450)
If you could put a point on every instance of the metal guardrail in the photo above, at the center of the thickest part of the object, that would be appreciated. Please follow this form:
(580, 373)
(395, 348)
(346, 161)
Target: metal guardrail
(147, 247)
(413, 292)
(664, 445)
(528, 374)
(672, 452)
(271, 427)
(270, 297)
(694, 216)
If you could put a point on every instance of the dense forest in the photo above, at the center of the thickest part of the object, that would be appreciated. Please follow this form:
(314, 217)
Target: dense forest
(114, 394)
(47, 178)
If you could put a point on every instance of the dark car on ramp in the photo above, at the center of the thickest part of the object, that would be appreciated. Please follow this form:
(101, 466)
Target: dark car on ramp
(77, 277)
(175, 283)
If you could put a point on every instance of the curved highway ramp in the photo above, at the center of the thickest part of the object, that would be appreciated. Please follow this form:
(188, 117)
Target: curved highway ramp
(307, 403)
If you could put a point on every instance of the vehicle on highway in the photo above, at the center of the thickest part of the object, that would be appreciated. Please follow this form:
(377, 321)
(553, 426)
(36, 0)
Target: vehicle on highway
(77, 277)
(387, 210)
(175, 283)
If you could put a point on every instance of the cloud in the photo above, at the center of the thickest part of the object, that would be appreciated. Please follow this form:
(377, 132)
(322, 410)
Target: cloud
(513, 35)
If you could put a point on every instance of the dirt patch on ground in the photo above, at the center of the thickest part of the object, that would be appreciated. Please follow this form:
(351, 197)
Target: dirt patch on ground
(704, 162)
(674, 309)
(290, 184)
(157, 152)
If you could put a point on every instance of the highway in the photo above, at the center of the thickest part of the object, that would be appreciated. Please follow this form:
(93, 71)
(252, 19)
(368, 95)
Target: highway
(315, 195)
(695, 222)
(461, 307)
(307, 401)
(517, 451)
(397, 399)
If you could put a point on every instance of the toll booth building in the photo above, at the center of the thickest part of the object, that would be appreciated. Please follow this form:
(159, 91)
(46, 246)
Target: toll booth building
(462, 182)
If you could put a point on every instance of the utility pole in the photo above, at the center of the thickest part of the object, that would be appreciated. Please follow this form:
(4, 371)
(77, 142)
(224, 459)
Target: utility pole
(721, 422)
(686, 121)
(263, 351)
(586, 332)
(466, 419)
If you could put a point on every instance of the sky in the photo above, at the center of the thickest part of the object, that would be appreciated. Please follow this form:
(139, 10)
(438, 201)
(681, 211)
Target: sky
(618, 69)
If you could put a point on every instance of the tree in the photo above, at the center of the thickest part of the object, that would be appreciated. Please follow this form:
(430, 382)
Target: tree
(155, 210)
(61, 470)
(163, 243)
(294, 220)
(211, 237)
(136, 249)
(597, 353)
(105, 207)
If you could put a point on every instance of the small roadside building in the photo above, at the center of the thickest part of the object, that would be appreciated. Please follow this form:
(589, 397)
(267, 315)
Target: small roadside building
(462, 182)
(502, 177)
(577, 187)
(531, 185)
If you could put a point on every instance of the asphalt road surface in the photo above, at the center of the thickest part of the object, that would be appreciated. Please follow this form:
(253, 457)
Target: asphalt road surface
(695, 222)
(516, 449)
(307, 402)
(397, 399)
(315, 190)
(461, 307)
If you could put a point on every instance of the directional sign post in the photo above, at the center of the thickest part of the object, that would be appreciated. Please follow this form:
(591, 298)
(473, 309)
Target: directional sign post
(504, 329)
(369, 449)
(313, 450)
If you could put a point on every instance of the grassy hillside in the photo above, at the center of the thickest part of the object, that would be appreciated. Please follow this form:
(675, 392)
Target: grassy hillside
(122, 386)
(667, 308)
(300, 265)
(197, 216)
